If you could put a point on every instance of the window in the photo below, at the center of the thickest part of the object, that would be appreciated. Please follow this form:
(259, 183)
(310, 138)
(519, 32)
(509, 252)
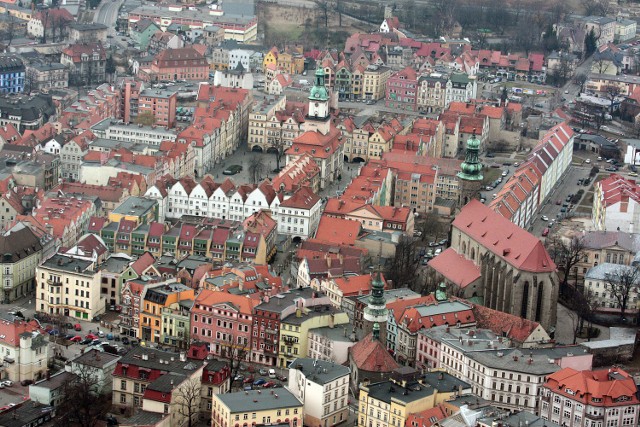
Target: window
(123, 385)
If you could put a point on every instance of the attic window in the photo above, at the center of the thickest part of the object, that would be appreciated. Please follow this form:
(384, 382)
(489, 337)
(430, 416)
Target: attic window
(484, 219)
(506, 251)
(569, 391)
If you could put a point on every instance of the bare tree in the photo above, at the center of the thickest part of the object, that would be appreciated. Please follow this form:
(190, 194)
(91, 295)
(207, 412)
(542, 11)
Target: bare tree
(430, 225)
(566, 253)
(403, 267)
(612, 92)
(187, 399)
(600, 65)
(83, 402)
(146, 118)
(596, 7)
(10, 29)
(256, 168)
(323, 7)
(235, 350)
(622, 283)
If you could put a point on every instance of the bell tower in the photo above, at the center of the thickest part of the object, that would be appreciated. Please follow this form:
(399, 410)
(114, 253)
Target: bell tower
(471, 174)
(376, 313)
(318, 116)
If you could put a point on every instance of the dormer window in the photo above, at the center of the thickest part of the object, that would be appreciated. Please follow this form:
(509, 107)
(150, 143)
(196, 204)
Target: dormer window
(569, 391)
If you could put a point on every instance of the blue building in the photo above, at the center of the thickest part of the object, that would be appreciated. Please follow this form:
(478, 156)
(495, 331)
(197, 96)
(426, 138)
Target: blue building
(12, 72)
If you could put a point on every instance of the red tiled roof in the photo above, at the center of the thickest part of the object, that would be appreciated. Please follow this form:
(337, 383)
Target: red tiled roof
(354, 285)
(616, 189)
(208, 298)
(608, 385)
(371, 355)
(514, 327)
(456, 268)
(303, 198)
(426, 418)
(503, 238)
(337, 230)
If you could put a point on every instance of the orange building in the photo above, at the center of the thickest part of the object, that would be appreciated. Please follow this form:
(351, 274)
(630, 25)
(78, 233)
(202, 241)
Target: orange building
(155, 298)
(161, 103)
(185, 63)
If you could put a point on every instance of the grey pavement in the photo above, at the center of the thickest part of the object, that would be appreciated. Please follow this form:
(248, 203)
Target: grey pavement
(565, 325)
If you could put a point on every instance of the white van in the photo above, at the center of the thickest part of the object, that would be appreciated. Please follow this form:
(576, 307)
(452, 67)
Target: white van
(272, 373)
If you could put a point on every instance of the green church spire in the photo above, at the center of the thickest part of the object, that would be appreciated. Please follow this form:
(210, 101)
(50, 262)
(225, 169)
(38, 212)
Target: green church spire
(471, 167)
(319, 91)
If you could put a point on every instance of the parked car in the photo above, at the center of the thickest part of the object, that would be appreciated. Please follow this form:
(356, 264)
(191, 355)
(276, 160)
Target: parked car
(282, 378)
(91, 337)
(86, 341)
(268, 384)
(77, 327)
(259, 381)
(7, 383)
(101, 334)
(77, 338)
(110, 336)
(544, 218)
(248, 380)
(232, 170)
(54, 332)
(26, 382)
(262, 371)
(238, 377)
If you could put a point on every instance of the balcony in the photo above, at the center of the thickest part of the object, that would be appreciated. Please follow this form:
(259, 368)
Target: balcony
(594, 416)
(54, 282)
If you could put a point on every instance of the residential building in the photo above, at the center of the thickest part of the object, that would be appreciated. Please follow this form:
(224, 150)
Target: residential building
(26, 113)
(273, 125)
(139, 210)
(223, 320)
(624, 29)
(28, 414)
(52, 21)
(460, 87)
(142, 31)
(268, 316)
(86, 63)
(294, 329)
(510, 378)
(391, 402)
(374, 82)
(323, 387)
(402, 90)
(299, 215)
(50, 391)
(69, 286)
(331, 343)
(606, 397)
(281, 407)
(24, 349)
(177, 64)
(22, 252)
(154, 300)
(519, 198)
(131, 298)
(98, 366)
(616, 205)
(144, 374)
(12, 74)
(611, 247)
(603, 28)
(528, 285)
(176, 325)
(604, 283)
(87, 32)
(160, 104)
(216, 379)
(41, 76)
(432, 93)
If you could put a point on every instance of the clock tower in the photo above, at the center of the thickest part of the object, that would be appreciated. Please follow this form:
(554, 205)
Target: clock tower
(318, 116)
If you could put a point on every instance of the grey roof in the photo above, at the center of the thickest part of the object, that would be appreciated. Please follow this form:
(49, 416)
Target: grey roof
(135, 206)
(115, 264)
(87, 26)
(166, 383)
(597, 139)
(25, 415)
(393, 295)
(470, 400)
(18, 245)
(55, 381)
(158, 93)
(96, 359)
(337, 333)
(159, 293)
(442, 308)
(522, 418)
(282, 301)
(314, 311)
(257, 400)
(10, 64)
(517, 360)
(607, 271)
(320, 371)
(387, 390)
(27, 108)
(443, 381)
(193, 261)
(66, 263)
(608, 239)
(142, 418)
(154, 358)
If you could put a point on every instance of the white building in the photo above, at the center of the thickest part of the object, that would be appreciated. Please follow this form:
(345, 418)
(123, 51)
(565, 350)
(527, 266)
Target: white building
(240, 56)
(552, 156)
(149, 135)
(299, 215)
(599, 281)
(625, 29)
(50, 391)
(96, 365)
(460, 88)
(331, 343)
(24, 350)
(236, 77)
(602, 398)
(69, 286)
(323, 387)
(616, 205)
(511, 378)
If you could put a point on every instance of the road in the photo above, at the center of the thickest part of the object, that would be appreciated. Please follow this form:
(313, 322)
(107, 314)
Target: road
(107, 14)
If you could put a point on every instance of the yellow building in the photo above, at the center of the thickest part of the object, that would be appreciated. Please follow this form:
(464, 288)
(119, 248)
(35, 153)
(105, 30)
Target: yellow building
(70, 287)
(389, 403)
(294, 330)
(155, 299)
(271, 58)
(248, 408)
(137, 209)
(375, 82)
(22, 253)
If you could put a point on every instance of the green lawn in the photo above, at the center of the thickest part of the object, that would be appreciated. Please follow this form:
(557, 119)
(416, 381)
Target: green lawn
(490, 175)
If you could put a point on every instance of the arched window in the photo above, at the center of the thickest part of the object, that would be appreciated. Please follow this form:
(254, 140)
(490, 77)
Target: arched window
(525, 300)
(473, 254)
(464, 248)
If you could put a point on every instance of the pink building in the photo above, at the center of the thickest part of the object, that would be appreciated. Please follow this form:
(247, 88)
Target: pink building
(224, 321)
(402, 90)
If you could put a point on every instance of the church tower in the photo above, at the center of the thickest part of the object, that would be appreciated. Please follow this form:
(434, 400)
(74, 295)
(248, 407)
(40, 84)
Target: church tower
(376, 313)
(471, 174)
(318, 116)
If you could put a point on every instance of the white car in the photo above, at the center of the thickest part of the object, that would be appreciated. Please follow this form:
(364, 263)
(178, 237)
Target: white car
(544, 218)
(7, 383)
(587, 161)
(505, 173)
